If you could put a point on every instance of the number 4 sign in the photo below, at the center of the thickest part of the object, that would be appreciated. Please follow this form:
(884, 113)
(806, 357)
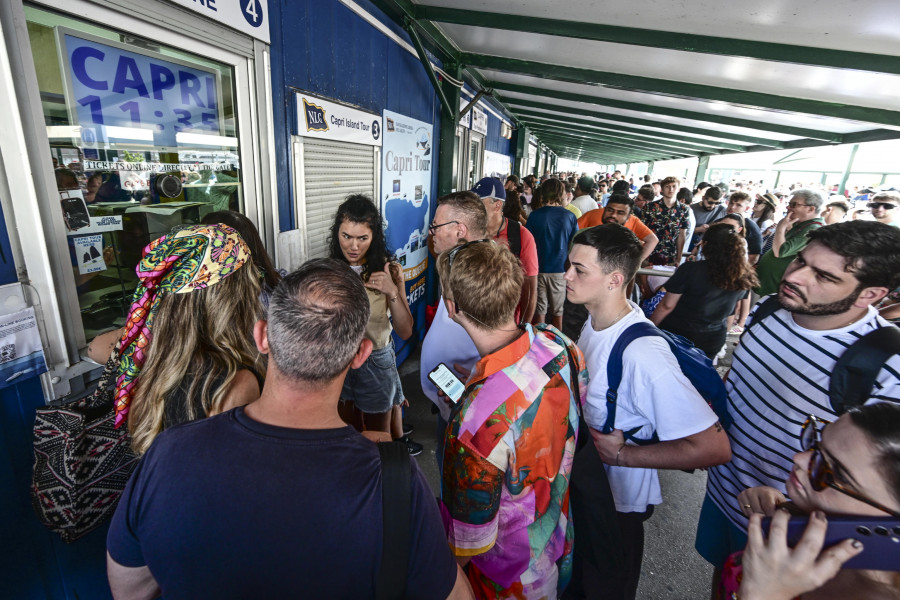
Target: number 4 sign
(248, 16)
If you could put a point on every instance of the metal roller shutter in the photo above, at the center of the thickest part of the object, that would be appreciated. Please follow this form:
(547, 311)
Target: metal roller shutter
(331, 171)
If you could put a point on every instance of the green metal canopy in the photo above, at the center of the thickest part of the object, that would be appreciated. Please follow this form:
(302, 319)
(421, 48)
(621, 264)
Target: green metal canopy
(648, 80)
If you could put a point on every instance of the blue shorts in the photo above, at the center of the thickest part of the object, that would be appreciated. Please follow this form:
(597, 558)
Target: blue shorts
(374, 388)
(717, 537)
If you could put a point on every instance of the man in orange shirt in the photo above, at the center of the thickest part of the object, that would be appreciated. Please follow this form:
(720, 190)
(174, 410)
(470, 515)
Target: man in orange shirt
(618, 210)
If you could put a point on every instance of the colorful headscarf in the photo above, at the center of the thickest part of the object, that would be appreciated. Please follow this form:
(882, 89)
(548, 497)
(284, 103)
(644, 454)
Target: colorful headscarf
(191, 258)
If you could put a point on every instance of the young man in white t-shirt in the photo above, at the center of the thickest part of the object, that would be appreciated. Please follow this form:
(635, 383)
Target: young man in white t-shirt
(654, 395)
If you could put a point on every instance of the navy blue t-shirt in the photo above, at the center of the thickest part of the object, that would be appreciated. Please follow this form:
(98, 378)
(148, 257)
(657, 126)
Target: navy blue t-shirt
(754, 237)
(228, 507)
(553, 228)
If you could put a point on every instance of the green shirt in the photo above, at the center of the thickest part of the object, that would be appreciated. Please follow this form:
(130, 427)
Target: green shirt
(770, 268)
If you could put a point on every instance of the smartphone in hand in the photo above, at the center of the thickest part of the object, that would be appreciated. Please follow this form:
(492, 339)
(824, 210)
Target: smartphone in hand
(444, 379)
(880, 538)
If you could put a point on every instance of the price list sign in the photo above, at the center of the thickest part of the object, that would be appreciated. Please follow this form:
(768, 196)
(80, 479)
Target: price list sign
(121, 94)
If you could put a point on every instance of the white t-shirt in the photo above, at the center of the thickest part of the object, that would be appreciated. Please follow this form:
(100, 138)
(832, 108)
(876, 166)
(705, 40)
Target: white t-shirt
(654, 395)
(446, 342)
(585, 203)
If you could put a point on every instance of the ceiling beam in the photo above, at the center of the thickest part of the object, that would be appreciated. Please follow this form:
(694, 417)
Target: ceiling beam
(582, 135)
(669, 40)
(633, 154)
(710, 116)
(683, 89)
(560, 147)
(653, 140)
(646, 123)
(617, 129)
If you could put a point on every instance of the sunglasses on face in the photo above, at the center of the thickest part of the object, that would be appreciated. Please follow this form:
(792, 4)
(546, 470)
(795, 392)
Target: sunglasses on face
(884, 205)
(795, 204)
(821, 474)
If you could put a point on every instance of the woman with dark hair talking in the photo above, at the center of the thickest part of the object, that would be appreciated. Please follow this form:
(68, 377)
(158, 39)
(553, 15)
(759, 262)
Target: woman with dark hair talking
(702, 294)
(372, 397)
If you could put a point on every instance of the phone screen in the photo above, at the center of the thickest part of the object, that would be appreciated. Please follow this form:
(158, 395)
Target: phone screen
(447, 382)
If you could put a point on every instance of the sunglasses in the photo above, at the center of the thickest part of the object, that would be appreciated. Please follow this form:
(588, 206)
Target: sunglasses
(795, 204)
(821, 475)
(884, 205)
(432, 228)
(451, 255)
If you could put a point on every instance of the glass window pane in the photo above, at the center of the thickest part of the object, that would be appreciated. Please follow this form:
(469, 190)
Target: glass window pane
(143, 138)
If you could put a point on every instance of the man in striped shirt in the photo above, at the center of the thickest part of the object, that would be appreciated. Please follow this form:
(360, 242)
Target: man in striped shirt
(781, 369)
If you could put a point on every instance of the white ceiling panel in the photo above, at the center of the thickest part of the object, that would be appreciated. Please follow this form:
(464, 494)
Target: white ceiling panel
(860, 88)
(855, 25)
(674, 102)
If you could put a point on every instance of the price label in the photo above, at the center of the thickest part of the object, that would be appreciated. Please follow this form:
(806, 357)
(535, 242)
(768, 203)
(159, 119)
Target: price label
(119, 93)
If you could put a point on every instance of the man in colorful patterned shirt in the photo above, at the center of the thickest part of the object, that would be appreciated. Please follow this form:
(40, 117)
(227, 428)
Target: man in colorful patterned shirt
(511, 437)
(669, 220)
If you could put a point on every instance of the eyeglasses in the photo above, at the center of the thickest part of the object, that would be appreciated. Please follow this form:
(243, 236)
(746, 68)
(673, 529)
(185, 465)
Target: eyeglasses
(795, 204)
(821, 474)
(451, 255)
(432, 228)
(884, 205)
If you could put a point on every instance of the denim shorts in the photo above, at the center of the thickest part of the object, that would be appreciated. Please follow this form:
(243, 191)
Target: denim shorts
(374, 388)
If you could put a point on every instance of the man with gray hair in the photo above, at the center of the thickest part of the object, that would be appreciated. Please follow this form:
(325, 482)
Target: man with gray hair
(460, 217)
(264, 500)
(789, 238)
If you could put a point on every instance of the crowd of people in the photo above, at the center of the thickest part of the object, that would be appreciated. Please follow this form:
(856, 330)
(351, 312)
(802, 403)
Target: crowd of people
(254, 397)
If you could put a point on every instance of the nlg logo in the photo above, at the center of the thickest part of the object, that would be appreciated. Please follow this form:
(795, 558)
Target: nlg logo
(315, 117)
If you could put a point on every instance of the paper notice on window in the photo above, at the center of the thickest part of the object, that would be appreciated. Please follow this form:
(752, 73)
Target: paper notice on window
(89, 254)
(21, 353)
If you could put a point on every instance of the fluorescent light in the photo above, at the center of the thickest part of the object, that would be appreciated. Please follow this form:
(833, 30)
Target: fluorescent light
(63, 131)
(200, 139)
(128, 133)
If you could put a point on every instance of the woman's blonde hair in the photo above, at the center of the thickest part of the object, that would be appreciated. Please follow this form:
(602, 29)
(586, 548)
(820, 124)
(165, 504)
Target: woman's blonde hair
(207, 335)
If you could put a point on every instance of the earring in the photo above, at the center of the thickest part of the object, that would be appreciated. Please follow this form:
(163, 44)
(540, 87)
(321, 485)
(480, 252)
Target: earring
(610, 288)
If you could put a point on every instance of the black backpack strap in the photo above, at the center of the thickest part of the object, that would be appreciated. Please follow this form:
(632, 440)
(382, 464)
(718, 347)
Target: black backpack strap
(396, 490)
(514, 236)
(857, 368)
(766, 308)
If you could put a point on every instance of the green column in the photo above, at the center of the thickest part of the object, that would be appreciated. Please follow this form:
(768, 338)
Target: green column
(449, 149)
(846, 175)
(522, 136)
(702, 168)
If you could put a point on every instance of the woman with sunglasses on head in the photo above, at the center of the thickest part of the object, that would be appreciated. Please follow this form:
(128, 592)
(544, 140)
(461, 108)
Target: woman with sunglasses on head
(372, 397)
(850, 467)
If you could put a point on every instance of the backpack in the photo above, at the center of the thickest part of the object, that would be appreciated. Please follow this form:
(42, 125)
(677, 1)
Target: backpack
(695, 365)
(856, 370)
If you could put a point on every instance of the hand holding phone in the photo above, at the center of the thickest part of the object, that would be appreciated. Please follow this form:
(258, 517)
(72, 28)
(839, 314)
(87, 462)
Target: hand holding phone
(448, 383)
(781, 568)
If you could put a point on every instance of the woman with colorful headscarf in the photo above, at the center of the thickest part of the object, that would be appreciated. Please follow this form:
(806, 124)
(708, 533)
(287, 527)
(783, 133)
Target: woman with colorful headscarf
(186, 351)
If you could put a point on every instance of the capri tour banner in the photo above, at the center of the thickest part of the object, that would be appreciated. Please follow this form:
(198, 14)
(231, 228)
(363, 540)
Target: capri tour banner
(407, 156)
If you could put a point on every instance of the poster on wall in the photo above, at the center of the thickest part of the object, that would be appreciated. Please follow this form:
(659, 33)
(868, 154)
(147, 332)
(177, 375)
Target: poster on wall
(497, 165)
(21, 352)
(407, 155)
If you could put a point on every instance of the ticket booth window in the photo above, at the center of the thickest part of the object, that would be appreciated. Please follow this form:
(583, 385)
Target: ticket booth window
(143, 137)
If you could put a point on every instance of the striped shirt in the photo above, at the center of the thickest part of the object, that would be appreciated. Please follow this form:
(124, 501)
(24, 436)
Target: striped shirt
(779, 376)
